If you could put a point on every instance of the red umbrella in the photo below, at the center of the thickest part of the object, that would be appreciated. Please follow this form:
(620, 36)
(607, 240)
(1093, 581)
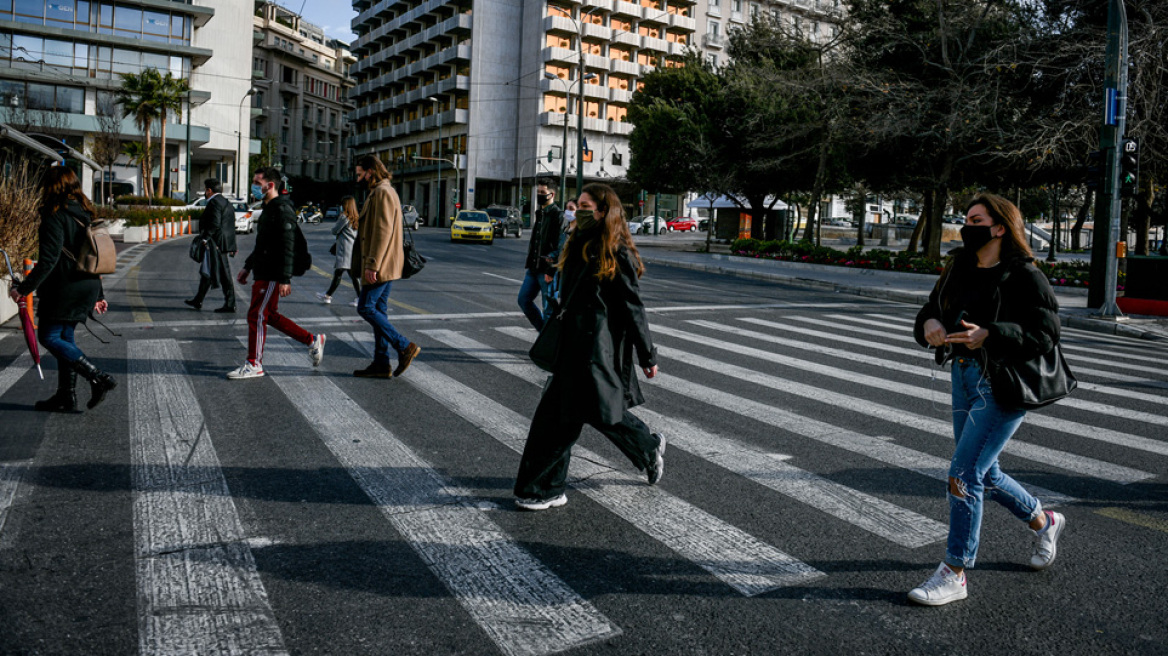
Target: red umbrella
(26, 321)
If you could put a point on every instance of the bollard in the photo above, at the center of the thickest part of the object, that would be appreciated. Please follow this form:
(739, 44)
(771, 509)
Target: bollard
(150, 231)
(28, 264)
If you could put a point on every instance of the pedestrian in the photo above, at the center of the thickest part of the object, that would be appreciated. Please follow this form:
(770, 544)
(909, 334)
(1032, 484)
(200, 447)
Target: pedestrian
(991, 304)
(539, 265)
(567, 224)
(381, 256)
(593, 380)
(272, 261)
(217, 231)
(345, 230)
(65, 295)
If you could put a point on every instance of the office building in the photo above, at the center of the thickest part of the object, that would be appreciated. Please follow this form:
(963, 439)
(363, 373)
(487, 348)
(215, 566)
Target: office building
(301, 91)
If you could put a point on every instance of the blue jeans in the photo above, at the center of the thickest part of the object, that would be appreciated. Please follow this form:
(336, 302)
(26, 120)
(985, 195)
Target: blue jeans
(981, 428)
(533, 284)
(373, 307)
(57, 337)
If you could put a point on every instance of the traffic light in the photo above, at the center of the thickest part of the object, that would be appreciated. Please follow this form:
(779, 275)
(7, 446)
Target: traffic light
(1094, 169)
(1129, 167)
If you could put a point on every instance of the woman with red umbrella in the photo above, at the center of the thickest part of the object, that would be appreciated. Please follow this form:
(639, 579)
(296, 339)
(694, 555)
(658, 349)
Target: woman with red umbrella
(66, 295)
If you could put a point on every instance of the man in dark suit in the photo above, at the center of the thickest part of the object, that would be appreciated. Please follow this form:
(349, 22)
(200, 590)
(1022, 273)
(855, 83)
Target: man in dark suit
(217, 230)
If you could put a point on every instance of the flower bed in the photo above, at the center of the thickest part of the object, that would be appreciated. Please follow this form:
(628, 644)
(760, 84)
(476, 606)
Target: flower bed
(1060, 274)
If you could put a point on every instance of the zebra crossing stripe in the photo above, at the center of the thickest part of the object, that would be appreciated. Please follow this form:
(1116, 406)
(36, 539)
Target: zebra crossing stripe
(743, 562)
(1074, 360)
(523, 607)
(877, 448)
(864, 511)
(1051, 457)
(198, 590)
(1036, 419)
(1126, 393)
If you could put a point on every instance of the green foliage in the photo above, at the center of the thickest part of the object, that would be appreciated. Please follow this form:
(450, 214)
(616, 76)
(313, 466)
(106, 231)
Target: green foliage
(141, 217)
(145, 200)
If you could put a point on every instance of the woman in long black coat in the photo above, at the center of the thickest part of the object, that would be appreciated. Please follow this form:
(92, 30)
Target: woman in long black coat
(66, 296)
(593, 380)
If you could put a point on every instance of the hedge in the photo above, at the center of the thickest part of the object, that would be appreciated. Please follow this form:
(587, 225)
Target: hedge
(142, 217)
(1061, 274)
(143, 200)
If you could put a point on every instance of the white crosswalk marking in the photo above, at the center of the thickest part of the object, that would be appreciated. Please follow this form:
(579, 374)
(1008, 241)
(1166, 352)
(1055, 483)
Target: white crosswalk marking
(869, 513)
(1052, 457)
(12, 473)
(1037, 419)
(520, 604)
(1075, 361)
(877, 448)
(198, 590)
(916, 352)
(742, 561)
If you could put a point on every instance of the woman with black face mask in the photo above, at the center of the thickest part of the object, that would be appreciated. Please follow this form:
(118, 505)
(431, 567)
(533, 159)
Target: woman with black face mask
(990, 305)
(594, 381)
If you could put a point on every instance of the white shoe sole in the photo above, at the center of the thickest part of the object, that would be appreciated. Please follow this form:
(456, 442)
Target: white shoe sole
(938, 602)
(1058, 527)
(316, 356)
(554, 502)
(235, 376)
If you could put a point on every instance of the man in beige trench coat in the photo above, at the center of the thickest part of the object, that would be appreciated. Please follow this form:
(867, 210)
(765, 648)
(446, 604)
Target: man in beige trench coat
(380, 257)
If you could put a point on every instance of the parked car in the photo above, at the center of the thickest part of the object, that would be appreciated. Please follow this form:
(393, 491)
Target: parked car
(410, 217)
(683, 224)
(842, 223)
(245, 217)
(649, 221)
(333, 213)
(703, 224)
(905, 220)
(202, 202)
(505, 219)
(955, 219)
(472, 225)
(635, 227)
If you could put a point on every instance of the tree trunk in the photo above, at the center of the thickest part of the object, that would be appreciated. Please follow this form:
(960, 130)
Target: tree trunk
(813, 217)
(147, 163)
(926, 210)
(163, 169)
(933, 251)
(1080, 219)
(757, 221)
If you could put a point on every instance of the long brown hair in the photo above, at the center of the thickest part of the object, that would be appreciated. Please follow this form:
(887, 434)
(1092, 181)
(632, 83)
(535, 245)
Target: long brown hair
(612, 233)
(1006, 214)
(349, 207)
(59, 186)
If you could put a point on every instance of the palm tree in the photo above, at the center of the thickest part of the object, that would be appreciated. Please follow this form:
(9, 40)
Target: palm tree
(139, 154)
(138, 96)
(169, 98)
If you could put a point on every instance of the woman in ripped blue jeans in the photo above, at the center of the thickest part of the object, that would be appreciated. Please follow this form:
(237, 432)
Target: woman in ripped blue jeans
(990, 301)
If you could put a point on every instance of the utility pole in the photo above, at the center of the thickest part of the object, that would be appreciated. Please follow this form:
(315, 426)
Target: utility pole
(1106, 237)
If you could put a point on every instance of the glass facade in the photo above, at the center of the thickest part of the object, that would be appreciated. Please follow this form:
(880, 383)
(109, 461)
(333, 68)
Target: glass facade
(18, 95)
(102, 18)
(84, 60)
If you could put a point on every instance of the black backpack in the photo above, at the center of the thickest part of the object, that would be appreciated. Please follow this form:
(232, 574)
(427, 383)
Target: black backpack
(301, 258)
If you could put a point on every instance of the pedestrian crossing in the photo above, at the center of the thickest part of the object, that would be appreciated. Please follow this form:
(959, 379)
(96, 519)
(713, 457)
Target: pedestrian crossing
(852, 384)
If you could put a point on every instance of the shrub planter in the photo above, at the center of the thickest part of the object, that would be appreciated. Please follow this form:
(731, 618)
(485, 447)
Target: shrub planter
(135, 234)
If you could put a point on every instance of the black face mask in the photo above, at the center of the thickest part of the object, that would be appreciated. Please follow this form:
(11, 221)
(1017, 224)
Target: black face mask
(542, 199)
(585, 219)
(974, 237)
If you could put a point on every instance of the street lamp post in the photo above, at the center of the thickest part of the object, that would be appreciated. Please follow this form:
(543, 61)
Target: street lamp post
(438, 213)
(579, 135)
(457, 174)
(241, 168)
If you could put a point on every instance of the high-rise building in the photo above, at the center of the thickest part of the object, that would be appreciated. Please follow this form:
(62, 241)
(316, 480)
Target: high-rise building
(466, 100)
(816, 20)
(61, 60)
(302, 87)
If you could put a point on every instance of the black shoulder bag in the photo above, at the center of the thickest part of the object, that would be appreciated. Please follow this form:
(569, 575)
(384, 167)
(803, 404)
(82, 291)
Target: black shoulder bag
(413, 261)
(1035, 383)
(546, 349)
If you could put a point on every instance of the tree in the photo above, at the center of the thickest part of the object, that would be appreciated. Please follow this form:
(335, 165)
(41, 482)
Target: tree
(139, 98)
(139, 154)
(170, 93)
(107, 141)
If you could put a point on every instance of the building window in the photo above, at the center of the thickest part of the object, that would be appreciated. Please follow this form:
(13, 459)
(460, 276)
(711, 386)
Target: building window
(712, 28)
(713, 59)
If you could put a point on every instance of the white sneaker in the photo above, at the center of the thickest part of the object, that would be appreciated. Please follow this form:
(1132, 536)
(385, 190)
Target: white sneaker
(316, 350)
(354, 303)
(541, 504)
(324, 298)
(942, 587)
(1046, 542)
(248, 370)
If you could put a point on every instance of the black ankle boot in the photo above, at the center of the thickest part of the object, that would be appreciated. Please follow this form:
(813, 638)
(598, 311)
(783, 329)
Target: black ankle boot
(99, 382)
(65, 400)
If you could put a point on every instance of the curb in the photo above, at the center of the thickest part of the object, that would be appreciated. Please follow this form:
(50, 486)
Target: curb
(900, 296)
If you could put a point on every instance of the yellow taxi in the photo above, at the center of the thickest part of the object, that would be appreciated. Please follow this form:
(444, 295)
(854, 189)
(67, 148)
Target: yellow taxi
(472, 225)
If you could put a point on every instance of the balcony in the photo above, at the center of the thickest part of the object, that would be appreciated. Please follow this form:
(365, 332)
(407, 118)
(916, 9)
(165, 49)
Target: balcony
(624, 67)
(622, 96)
(599, 32)
(559, 55)
(652, 16)
(558, 24)
(621, 128)
(677, 48)
(683, 22)
(712, 41)
(658, 45)
(621, 8)
(595, 92)
(596, 62)
(599, 5)
(626, 38)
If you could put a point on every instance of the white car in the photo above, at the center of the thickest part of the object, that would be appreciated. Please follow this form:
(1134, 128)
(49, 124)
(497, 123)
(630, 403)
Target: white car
(202, 202)
(635, 227)
(662, 225)
(245, 217)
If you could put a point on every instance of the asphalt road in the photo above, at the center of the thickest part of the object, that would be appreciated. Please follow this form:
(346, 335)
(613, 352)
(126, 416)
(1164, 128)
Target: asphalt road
(312, 512)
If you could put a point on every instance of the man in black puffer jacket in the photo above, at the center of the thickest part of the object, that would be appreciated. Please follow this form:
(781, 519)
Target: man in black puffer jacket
(272, 261)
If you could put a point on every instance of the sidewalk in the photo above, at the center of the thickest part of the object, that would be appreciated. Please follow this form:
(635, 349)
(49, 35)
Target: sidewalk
(910, 288)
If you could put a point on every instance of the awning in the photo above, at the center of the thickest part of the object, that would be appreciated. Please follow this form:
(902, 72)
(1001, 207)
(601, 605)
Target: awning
(726, 203)
(49, 142)
(28, 142)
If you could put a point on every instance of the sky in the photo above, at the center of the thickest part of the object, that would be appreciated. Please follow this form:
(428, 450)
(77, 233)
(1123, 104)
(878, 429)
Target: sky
(332, 15)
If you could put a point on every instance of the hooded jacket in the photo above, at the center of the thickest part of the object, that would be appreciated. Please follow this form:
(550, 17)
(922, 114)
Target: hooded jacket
(1026, 323)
